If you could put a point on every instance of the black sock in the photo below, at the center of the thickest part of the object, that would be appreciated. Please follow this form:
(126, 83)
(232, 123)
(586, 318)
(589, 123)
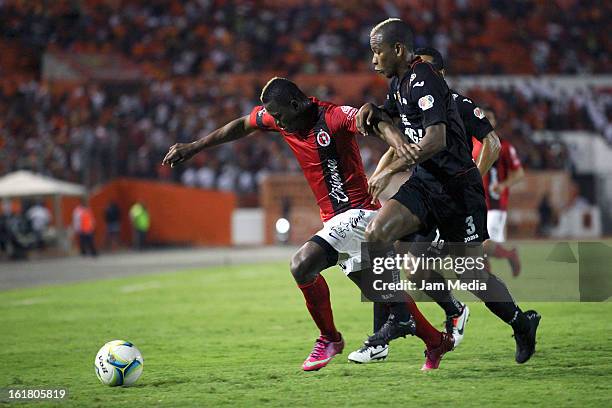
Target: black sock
(451, 307)
(381, 315)
(498, 300)
(444, 298)
(510, 313)
(380, 310)
(400, 311)
(392, 300)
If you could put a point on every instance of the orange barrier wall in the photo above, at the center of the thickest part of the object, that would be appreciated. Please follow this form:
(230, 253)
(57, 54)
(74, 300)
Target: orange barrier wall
(303, 214)
(179, 215)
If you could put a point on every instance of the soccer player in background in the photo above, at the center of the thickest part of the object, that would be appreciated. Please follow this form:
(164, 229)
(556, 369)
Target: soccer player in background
(322, 138)
(506, 172)
(477, 126)
(445, 189)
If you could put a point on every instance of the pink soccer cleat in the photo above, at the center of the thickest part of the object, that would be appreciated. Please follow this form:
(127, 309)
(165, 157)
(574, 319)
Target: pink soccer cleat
(322, 353)
(433, 356)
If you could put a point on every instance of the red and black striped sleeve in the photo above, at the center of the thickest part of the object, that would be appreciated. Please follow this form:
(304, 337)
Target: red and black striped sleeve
(260, 119)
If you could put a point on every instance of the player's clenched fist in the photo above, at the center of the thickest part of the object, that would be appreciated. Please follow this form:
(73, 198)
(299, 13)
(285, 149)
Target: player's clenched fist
(364, 118)
(179, 153)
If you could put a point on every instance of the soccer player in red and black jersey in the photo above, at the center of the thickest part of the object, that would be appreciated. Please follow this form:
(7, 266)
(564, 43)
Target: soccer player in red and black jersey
(322, 138)
(505, 172)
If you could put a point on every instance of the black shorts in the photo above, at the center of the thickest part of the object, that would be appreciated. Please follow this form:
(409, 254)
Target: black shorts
(457, 208)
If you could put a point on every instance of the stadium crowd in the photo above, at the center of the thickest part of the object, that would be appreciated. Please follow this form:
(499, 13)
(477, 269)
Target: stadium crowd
(92, 133)
(191, 37)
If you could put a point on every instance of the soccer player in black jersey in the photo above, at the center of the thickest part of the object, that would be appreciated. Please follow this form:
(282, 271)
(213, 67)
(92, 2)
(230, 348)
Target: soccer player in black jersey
(477, 126)
(445, 189)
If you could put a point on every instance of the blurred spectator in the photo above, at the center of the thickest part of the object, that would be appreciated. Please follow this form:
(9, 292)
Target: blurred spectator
(546, 213)
(141, 223)
(39, 217)
(84, 225)
(16, 237)
(112, 218)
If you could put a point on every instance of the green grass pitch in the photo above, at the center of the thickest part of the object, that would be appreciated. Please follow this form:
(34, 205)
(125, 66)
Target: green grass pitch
(236, 336)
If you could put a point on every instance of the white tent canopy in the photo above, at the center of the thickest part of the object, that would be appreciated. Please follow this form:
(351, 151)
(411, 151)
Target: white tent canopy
(27, 184)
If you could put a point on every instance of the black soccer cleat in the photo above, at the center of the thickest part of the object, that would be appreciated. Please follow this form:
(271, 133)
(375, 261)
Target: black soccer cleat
(526, 342)
(391, 330)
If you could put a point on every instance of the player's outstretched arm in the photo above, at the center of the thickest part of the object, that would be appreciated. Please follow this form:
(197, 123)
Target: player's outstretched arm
(513, 177)
(181, 152)
(488, 153)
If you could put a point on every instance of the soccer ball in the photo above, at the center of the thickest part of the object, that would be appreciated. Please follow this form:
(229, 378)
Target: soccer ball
(118, 363)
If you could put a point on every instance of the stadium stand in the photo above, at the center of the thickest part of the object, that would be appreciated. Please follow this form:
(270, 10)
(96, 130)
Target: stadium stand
(184, 48)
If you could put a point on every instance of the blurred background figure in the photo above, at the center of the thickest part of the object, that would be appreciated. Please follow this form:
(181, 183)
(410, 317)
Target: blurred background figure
(546, 214)
(84, 226)
(16, 238)
(139, 216)
(39, 218)
(112, 218)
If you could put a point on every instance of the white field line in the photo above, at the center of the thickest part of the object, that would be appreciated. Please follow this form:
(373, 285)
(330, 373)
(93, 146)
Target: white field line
(140, 287)
(29, 301)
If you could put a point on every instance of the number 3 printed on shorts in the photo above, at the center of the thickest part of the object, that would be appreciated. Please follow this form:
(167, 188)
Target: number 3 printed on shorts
(471, 228)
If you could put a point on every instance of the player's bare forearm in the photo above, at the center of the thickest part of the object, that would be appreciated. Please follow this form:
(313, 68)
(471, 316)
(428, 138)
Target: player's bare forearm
(234, 130)
(181, 152)
(514, 177)
(410, 154)
(384, 161)
(398, 165)
(489, 152)
(433, 142)
(388, 132)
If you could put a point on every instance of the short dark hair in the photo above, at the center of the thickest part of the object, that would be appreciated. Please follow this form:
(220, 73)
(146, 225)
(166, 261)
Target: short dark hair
(282, 91)
(437, 60)
(394, 30)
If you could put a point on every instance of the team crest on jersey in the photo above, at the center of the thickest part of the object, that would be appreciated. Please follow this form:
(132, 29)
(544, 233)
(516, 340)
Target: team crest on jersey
(479, 113)
(426, 102)
(323, 138)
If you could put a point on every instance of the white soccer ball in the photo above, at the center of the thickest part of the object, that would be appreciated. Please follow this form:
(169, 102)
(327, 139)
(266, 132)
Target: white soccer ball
(118, 363)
